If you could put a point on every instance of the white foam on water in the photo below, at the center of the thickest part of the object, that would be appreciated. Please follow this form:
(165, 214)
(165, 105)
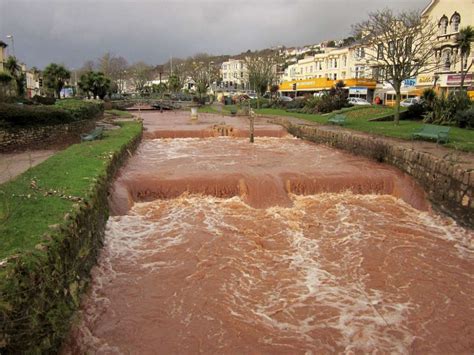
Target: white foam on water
(278, 275)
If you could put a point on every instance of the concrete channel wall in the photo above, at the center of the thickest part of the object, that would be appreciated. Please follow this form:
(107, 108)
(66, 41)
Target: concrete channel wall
(448, 183)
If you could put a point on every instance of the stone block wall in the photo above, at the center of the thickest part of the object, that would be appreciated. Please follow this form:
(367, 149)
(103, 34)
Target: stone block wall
(449, 185)
(13, 139)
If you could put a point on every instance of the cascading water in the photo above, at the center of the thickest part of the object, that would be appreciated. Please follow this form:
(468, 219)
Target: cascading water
(220, 246)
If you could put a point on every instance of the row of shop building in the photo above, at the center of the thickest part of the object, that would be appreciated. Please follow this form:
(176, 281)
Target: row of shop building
(320, 72)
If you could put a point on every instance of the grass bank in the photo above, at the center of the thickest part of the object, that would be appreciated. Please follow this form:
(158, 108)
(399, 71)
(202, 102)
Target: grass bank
(52, 221)
(358, 120)
(119, 113)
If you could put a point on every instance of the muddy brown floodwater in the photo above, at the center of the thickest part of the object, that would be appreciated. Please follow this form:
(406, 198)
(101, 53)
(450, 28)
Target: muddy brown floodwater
(218, 246)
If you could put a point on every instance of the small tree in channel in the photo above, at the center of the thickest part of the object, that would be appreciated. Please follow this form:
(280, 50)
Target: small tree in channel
(399, 46)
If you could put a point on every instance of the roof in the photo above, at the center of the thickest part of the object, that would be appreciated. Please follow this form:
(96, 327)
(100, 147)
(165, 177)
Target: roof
(429, 7)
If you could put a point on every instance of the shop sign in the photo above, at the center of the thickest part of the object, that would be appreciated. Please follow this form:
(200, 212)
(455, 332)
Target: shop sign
(358, 91)
(426, 80)
(455, 79)
(409, 83)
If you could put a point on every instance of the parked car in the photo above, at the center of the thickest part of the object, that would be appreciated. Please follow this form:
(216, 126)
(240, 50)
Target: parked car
(252, 95)
(357, 101)
(409, 102)
(285, 99)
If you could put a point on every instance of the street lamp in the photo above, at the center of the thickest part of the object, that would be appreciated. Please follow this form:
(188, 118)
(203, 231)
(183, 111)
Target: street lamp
(10, 37)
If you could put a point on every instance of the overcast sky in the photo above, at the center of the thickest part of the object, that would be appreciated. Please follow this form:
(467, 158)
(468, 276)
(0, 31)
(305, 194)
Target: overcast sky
(73, 31)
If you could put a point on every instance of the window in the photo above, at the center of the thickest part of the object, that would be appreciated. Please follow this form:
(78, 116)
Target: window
(344, 61)
(455, 21)
(391, 48)
(408, 45)
(241, 74)
(380, 51)
(335, 76)
(399, 46)
(443, 25)
(335, 63)
(360, 52)
(446, 60)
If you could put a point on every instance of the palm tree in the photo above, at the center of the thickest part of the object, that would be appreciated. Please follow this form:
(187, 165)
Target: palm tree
(14, 68)
(464, 40)
(55, 77)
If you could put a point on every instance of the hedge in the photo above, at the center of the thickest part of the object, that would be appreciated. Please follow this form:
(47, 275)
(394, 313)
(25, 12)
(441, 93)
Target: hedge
(52, 222)
(64, 111)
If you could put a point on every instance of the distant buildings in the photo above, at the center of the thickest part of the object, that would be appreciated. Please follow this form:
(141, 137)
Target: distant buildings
(3, 55)
(450, 17)
(333, 61)
(234, 75)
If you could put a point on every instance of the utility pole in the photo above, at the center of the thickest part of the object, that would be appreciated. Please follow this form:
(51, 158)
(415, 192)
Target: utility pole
(13, 44)
(252, 118)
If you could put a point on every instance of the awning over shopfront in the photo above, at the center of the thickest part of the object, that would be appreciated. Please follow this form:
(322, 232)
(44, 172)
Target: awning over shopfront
(318, 84)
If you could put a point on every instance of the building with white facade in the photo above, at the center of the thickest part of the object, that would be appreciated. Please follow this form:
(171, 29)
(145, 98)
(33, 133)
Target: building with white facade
(234, 74)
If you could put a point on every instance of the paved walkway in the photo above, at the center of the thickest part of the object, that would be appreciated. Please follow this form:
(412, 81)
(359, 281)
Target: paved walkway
(464, 159)
(13, 164)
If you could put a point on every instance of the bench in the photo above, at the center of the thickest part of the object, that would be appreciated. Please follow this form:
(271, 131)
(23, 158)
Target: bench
(435, 132)
(95, 134)
(338, 120)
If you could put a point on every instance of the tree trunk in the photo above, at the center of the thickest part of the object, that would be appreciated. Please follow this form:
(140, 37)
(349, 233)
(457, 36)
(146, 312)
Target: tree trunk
(397, 105)
(463, 75)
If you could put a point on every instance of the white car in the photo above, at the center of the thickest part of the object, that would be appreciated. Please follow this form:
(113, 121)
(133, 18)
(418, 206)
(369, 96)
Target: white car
(285, 98)
(409, 102)
(357, 101)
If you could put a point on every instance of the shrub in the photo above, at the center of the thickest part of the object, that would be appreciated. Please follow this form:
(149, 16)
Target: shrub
(416, 111)
(43, 100)
(445, 108)
(81, 110)
(63, 111)
(25, 115)
(295, 104)
(465, 118)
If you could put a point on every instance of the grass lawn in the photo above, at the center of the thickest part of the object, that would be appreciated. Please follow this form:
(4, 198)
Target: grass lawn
(41, 196)
(119, 113)
(461, 139)
(213, 109)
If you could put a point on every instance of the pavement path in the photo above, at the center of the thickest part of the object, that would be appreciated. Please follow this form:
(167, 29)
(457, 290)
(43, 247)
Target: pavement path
(13, 164)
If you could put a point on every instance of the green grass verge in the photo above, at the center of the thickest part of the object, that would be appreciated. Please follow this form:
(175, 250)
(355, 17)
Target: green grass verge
(119, 113)
(44, 194)
(213, 109)
(460, 139)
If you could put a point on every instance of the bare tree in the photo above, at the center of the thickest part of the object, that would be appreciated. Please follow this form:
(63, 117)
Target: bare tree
(399, 46)
(140, 74)
(261, 73)
(203, 73)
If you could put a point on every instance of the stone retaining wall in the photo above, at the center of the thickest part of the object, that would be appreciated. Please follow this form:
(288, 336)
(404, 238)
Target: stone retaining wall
(449, 185)
(41, 137)
(40, 289)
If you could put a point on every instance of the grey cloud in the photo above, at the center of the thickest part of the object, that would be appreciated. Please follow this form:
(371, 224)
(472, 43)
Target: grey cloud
(72, 31)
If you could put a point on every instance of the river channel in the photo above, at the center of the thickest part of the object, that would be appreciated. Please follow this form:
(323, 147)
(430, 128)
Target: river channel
(219, 246)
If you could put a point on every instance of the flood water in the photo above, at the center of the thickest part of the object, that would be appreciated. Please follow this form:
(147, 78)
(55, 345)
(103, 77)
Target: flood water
(218, 246)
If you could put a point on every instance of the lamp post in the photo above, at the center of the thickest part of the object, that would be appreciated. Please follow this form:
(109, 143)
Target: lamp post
(10, 37)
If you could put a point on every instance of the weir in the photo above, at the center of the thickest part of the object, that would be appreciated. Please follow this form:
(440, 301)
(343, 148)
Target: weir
(217, 245)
